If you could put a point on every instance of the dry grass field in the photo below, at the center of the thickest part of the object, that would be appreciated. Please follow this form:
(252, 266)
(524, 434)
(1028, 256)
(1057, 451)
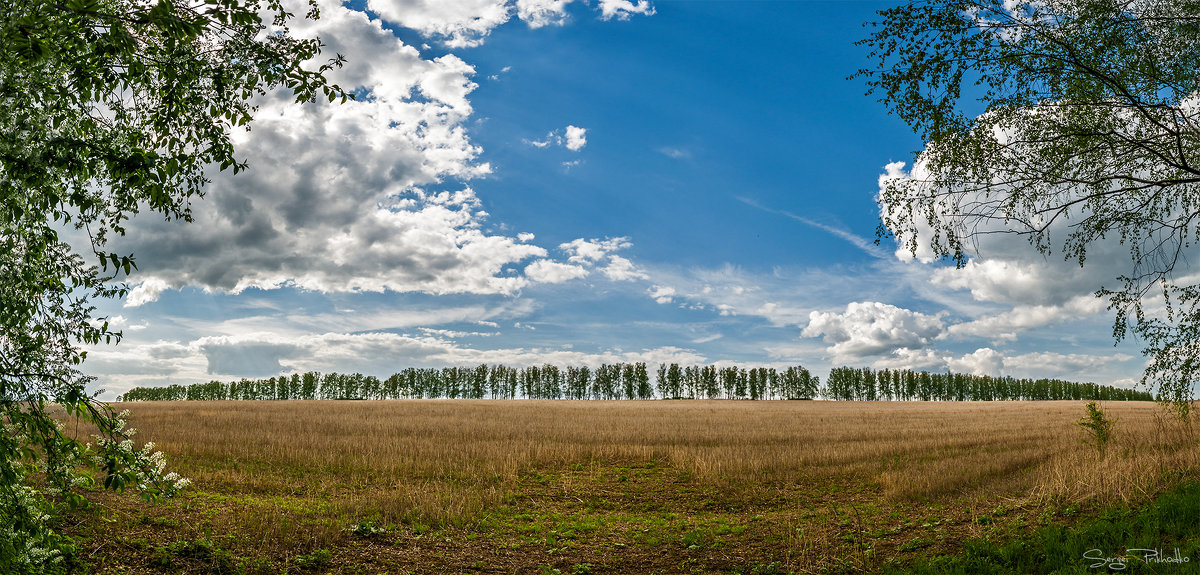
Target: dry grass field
(617, 487)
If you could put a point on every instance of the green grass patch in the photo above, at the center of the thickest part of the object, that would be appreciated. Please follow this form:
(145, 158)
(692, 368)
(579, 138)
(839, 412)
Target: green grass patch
(1160, 537)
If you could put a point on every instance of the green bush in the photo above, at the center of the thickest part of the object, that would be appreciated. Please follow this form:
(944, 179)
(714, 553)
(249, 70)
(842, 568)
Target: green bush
(1099, 426)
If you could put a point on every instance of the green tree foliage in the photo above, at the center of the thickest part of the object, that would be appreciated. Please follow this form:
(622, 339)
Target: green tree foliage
(577, 382)
(1099, 426)
(641, 377)
(107, 108)
(631, 382)
(609, 381)
(688, 382)
(797, 383)
(1085, 128)
(861, 384)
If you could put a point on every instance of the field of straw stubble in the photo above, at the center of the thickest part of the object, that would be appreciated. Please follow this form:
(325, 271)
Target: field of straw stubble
(566, 487)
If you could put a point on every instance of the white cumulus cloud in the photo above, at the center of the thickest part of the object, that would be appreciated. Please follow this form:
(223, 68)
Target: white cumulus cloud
(462, 23)
(1072, 366)
(145, 292)
(983, 361)
(1001, 266)
(467, 23)
(1006, 326)
(539, 13)
(343, 197)
(623, 9)
(593, 250)
(575, 138)
(572, 138)
(988, 361)
(366, 195)
(546, 271)
(621, 269)
(872, 328)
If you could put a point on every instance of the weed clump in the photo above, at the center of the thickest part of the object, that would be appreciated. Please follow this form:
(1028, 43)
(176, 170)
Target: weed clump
(318, 559)
(366, 529)
(1099, 425)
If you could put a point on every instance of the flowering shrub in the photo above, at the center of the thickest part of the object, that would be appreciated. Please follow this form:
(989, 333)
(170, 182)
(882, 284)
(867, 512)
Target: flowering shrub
(44, 472)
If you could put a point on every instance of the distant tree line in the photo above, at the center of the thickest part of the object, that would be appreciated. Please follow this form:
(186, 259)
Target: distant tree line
(862, 384)
(633, 381)
(608, 381)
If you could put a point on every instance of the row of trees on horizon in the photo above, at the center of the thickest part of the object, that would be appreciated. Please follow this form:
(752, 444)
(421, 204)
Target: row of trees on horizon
(864, 384)
(633, 381)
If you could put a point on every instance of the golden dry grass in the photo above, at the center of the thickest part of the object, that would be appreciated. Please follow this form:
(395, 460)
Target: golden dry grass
(277, 472)
(910, 449)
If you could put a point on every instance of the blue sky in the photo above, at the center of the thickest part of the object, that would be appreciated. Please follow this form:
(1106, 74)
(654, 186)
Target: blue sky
(533, 181)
